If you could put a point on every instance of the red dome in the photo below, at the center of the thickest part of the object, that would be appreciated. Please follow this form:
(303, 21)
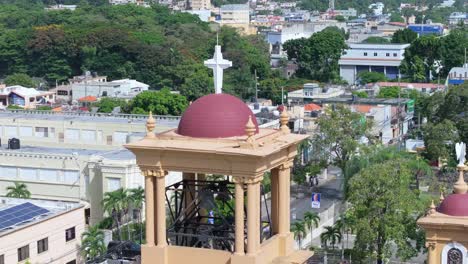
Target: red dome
(216, 116)
(455, 205)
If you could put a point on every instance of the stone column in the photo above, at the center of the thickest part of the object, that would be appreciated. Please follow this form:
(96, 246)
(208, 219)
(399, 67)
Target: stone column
(189, 192)
(284, 182)
(253, 221)
(431, 253)
(149, 201)
(160, 208)
(274, 200)
(239, 217)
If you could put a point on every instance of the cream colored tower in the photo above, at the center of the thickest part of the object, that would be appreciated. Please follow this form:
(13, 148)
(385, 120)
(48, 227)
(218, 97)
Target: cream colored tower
(219, 135)
(446, 226)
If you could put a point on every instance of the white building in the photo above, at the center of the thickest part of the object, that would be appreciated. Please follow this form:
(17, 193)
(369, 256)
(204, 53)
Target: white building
(124, 88)
(384, 58)
(200, 4)
(40, 231)
(62, 7)
(235, 14)
(458, 17)
(28, 98)
(346, 13)
(377, 8)
(313, 91)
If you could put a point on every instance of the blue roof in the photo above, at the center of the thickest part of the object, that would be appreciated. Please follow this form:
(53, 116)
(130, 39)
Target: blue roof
(456, 81)
(19, 214)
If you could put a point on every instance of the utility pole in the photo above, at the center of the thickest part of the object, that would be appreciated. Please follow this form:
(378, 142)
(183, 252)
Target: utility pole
(256, 84)
(282, 95)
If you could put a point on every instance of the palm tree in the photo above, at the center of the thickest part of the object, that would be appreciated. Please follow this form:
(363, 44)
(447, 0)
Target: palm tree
(92, 243)
(311, 220)
(116, 204)
(137, 196)
(345, 225)
(299, 230)
(332, 234)
(19, 190)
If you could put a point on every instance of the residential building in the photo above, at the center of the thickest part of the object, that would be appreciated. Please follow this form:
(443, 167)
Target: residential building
(40, 231)
(313, 91)
(427, 88)
(124, 88)
(377, 8)
(88, 76)
(235, 14)
(447, 3)
(391, 117)
(458, 17)
(297, 16)
(458, 75)
(61, 7)
(200, 4)
(28, 98)
(427, 29)
(346, 13)
(384, 58)
(75, 129)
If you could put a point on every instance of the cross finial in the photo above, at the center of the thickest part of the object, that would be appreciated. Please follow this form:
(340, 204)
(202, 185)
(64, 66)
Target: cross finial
(218, 64)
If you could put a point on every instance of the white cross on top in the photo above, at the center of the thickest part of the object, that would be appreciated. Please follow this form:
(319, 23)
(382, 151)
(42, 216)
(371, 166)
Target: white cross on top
(218, 64)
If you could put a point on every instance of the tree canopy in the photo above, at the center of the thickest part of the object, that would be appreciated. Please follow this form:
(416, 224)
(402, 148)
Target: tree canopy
(19, 79)
(403, 36)
(318, 56)
(371, 77)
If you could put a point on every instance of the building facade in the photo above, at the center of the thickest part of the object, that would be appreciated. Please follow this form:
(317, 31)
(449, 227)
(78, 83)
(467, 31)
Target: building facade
(124, 88)
(52, 236)
(200, 4)
(383, 58)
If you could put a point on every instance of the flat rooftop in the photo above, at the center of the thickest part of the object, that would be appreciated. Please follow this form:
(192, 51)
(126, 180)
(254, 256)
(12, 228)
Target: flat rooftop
(18, 213)
(166, 121)
(118, 154)
(369, 101)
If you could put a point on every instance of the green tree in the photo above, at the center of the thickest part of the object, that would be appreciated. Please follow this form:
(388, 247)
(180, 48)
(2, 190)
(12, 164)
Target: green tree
(420, 58)
(331, 236)
(311, 220)
(19, 190)
(340, 18)
(115, 204)
(376, 40)
(159, 102)
(107, 104)
(317, 56)
(371, 77)
(360, 94)
(384, 218)
(396, 17)
(440, 139)
(404, 36)
(389, 92)
(299, 230)
(19, 79)
(92, 243)
(137, 197)
(339, 132)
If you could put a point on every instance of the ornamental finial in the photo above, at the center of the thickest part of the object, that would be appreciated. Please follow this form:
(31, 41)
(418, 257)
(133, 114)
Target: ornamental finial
(284, 119)
(250, 129)
(432, 209)
(441, 198)
(460, 186)
(150, 125)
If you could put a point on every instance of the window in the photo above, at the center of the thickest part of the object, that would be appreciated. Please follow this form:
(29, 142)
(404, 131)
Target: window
(70, 177)
(42, 132)
(120, 137)
(23, 253)
(8, 172)
(72, 134)
(454, 256)
(88, 135)
(394, 55)
(11, 131)
(72, 262)
(104, 93)
(48, 175)
(29, 174)
(113, 184)
(2, 259)
(70, 234)
(388, 54)
(109, 140)
(42, 245)
(62, 92)
(375, 54)
(26, 131)
(365, 53)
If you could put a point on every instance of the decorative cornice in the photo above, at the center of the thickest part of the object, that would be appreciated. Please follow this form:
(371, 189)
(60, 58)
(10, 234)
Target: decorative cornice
(256, 178)
(153, 171)
(286, 165)
(430, 245)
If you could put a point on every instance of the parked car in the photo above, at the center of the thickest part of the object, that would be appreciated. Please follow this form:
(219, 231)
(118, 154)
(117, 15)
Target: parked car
(126, 250)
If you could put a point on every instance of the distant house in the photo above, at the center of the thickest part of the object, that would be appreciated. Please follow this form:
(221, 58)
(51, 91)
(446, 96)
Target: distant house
(313, 91)
(383, 58)
(427, 29)
(28, 98)
(458, 75)
(427, 88)
(458, 17)
(125, 89)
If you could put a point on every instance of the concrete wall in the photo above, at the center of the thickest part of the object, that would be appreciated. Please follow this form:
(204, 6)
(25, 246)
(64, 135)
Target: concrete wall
(59, 251)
